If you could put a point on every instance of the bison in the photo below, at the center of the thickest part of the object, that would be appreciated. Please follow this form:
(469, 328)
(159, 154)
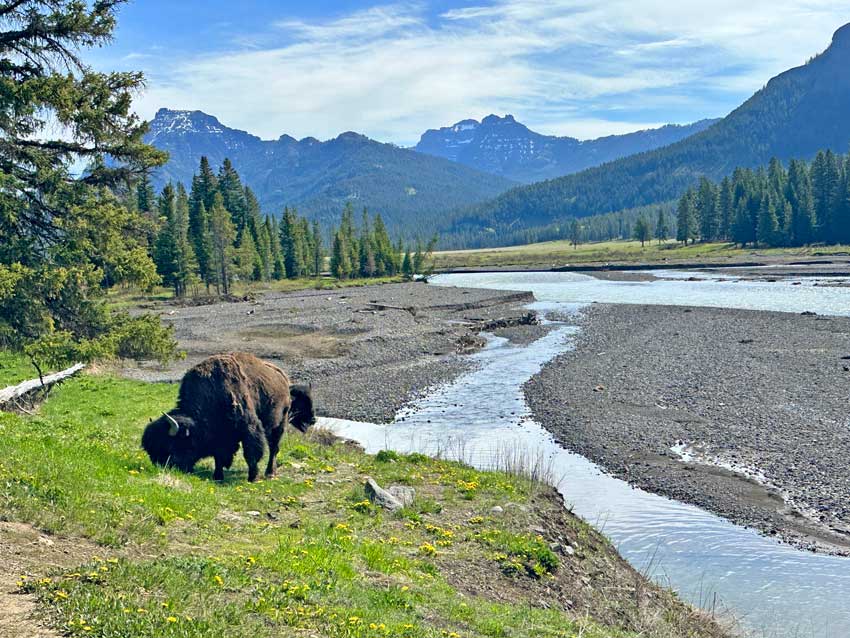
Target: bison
(226, 400)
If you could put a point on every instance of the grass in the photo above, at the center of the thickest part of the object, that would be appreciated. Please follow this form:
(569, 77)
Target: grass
(304, 554)
(560, 253)
(15, 368)
(127, 298)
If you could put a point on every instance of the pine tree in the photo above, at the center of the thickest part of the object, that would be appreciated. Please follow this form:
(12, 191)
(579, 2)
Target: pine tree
(265, 262)
(318, 256)
(726, 208)
(407, 265)
(768, 224)
(145, 196)
(642, 232)
(164, 251)
(347, 229)
(575, 234)
(803, 223)
(366, 258)
(662, 230)
(386, 257)
(686, 220)
(291, 244)
(222, 236)
(340, 256)
(233, 194)
(246, 257)
(207, 183)
(278, 270)
(707, 210)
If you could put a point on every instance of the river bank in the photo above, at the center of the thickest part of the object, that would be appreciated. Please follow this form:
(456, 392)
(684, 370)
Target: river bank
(366, 351)
(755, 401)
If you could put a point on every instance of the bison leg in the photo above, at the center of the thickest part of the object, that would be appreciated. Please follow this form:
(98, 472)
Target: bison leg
(218, 474)
(253, 446)
(274, 446)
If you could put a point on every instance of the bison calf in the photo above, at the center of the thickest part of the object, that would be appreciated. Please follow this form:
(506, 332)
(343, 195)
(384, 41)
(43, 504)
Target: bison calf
(224, 401)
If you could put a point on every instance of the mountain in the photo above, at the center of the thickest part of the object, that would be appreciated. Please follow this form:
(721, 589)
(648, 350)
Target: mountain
(503, 146)
(796, 114)
(320, 177)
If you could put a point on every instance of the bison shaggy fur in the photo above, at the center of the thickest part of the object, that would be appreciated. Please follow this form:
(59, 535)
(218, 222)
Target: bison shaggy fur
(225, 401)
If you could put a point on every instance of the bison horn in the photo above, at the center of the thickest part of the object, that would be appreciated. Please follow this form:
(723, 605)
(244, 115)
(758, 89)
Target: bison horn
(175, 427)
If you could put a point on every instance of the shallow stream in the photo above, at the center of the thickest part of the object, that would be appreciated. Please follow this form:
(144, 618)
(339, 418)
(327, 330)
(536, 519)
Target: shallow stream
(774, 590)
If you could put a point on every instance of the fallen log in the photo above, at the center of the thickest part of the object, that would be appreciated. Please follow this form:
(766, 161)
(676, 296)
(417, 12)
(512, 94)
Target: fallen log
(13, 396)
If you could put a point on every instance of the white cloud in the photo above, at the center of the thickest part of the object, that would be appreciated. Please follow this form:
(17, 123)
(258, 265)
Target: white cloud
(561, 66)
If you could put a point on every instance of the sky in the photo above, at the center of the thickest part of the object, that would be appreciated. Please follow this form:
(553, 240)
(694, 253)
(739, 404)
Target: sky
(391, 70)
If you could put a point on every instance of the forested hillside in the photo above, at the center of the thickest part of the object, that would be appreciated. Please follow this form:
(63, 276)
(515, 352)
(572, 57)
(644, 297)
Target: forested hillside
(797, 114)
(408, 188)
(503, 146)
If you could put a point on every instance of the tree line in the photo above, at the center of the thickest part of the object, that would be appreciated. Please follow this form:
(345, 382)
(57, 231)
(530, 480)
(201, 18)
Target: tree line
(216, 234)
(805, 203)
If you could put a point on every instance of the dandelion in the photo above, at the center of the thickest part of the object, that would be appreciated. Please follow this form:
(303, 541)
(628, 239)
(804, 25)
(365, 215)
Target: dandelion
(427, 549)
(354, 620)
(219, 580)
(141, 610)
(171, 619)
(134, 472)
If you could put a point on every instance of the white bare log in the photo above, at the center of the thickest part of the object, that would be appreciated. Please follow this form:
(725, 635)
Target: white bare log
(12, 393)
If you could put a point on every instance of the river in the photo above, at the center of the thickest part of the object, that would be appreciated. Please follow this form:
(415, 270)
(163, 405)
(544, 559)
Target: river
(773, 590)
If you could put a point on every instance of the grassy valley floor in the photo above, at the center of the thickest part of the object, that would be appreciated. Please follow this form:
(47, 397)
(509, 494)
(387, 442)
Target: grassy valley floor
(562, 255)
(104, 544)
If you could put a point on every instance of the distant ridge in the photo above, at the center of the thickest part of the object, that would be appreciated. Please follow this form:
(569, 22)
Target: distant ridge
(503, 146)
(797, 113)
(321, 177)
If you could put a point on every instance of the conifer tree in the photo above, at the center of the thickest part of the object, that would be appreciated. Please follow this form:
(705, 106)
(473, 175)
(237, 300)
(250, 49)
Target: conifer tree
(340, 256)
(246, 258)
(318, 256)
(726, 208)
(164, 251)
(662, 229)
(768, 222)
(278, 270)
(265, 260)
(642, 231)
(291, 244)
(707, 211)
(367, 254)
(407, 265)
(233, 195)
(575, 234)
(207, 183)
(686, 220)
(222, 237)
(145, 196)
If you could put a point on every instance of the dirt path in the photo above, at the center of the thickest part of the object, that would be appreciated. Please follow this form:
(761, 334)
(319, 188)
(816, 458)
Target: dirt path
(24, 551)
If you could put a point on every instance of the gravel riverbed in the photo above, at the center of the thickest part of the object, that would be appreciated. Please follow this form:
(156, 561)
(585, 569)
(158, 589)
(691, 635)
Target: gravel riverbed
(367, 351)
(762, 397)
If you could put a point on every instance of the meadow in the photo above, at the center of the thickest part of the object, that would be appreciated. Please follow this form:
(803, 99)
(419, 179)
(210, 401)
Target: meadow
(556, 254)
(306, 552)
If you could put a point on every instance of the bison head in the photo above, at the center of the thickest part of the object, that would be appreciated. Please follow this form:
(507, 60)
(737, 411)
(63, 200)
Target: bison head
(169, 442)
(301, 413)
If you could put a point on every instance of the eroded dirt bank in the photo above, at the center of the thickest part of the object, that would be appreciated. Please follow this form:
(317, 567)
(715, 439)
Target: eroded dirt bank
(765, 394)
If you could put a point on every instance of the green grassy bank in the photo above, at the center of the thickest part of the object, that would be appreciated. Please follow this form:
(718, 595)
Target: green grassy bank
(305, 554)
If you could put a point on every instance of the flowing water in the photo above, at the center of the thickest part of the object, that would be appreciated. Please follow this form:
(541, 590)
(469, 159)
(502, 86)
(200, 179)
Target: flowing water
(774, 590)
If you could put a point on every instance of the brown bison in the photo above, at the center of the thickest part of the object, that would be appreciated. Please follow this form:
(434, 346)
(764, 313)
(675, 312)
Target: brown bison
(226, 400)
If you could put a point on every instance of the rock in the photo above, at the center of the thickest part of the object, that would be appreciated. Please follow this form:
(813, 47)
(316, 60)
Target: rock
(517, 506)
(254, 513)
(403, 494)
(381, 497)
(569, 551)
(496, 509)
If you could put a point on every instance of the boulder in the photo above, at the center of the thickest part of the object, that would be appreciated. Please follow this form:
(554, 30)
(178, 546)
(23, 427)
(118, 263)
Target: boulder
(381, 497)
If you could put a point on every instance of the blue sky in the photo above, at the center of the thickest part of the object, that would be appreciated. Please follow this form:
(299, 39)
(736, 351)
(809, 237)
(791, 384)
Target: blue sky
(391, 70)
